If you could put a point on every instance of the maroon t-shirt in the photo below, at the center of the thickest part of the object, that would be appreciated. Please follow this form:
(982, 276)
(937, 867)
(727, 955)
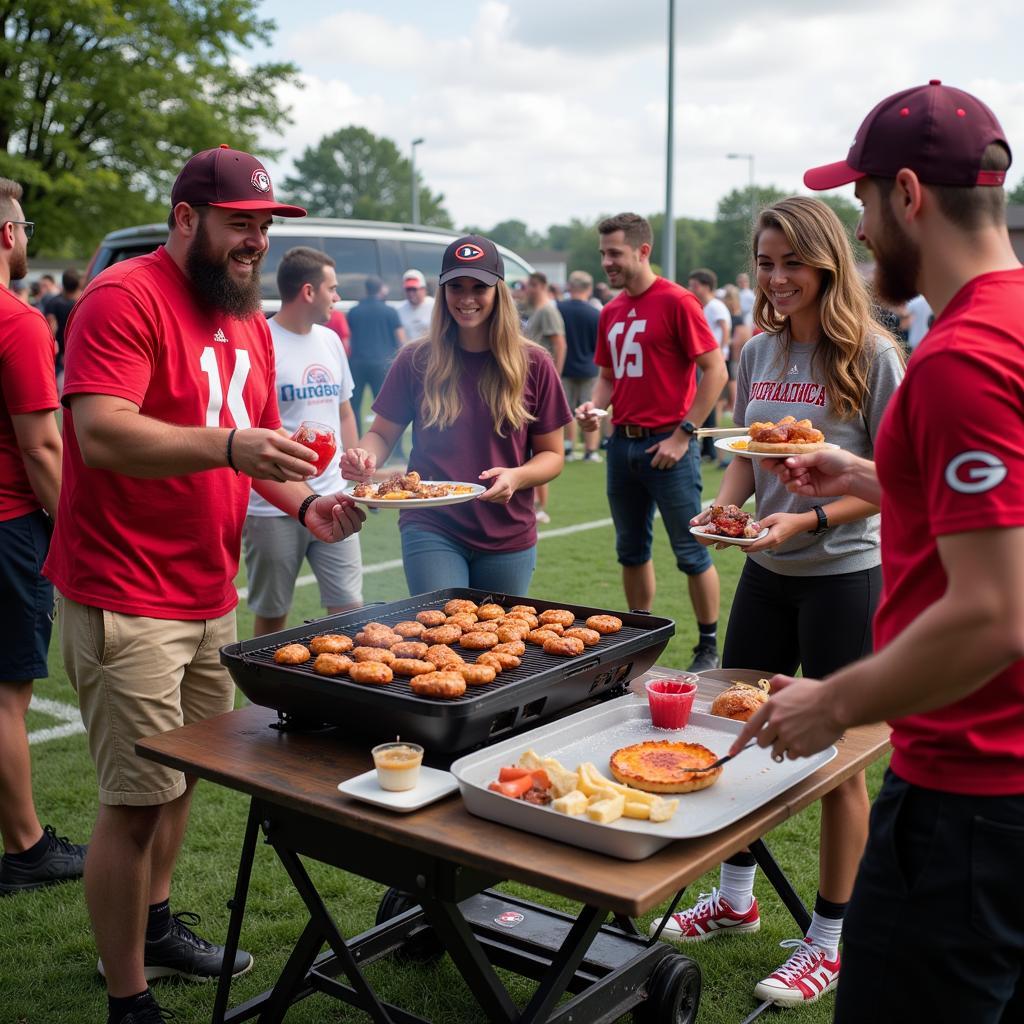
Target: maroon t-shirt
(470, 445)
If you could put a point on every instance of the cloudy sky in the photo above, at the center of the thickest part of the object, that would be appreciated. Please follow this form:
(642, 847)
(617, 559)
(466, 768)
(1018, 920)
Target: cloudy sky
(544, 110)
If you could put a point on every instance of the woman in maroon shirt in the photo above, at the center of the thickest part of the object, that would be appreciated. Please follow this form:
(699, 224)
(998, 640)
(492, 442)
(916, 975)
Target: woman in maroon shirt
(485, 404)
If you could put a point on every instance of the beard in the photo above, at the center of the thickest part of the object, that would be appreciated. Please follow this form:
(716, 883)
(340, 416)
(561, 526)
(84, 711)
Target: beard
(18, 264)
(897, 261)
(211, 277)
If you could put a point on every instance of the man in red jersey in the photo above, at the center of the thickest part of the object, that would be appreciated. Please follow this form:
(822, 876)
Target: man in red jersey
(935, 930)
(651, 339)
(30, 450)
(171, 417)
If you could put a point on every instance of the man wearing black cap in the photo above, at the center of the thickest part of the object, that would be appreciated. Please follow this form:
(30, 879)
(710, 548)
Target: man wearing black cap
(171, 415)
(935, 930)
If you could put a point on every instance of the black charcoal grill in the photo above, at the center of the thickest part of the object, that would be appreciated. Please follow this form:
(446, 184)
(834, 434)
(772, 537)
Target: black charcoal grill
(540, 687)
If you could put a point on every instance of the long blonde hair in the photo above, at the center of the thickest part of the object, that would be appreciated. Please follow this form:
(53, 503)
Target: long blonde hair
(849, 331)
(503, 381)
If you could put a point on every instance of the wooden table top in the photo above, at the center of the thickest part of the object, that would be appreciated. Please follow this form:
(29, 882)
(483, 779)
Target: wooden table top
(302, 771)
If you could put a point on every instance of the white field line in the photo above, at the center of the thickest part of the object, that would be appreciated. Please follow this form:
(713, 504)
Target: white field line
(67, 714)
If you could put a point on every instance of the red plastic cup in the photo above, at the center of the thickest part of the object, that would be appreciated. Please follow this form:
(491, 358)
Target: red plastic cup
(320, 438)
(671, 700)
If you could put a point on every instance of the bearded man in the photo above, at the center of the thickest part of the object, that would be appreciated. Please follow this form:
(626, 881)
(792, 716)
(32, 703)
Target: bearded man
(171, 416)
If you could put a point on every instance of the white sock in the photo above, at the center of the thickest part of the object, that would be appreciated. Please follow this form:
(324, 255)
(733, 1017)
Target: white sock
(737, 886)
(824, 932)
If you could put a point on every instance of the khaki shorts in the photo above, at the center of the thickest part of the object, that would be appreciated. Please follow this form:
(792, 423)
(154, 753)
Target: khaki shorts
(136, 677)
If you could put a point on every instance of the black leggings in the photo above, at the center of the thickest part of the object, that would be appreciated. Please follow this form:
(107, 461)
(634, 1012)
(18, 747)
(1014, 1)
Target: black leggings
(819, 623)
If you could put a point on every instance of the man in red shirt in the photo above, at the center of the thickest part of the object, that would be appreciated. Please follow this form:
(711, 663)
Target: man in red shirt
(30, 450)
(171, 417)
(651, 339)
(935, 930)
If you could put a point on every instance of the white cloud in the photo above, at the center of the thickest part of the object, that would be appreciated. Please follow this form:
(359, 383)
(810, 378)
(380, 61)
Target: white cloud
(547, 111)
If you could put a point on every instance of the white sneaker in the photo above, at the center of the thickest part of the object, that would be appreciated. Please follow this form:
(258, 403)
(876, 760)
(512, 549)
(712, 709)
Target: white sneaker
(804, 978)
(593, 457)
(708, 918)
(541, 515)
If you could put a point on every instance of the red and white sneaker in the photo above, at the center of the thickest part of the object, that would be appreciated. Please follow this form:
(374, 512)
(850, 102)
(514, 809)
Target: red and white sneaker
(708, 918)
(804, 978)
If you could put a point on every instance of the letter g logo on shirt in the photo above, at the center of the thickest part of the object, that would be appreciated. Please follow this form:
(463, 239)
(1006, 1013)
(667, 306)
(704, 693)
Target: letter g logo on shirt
(976, 478)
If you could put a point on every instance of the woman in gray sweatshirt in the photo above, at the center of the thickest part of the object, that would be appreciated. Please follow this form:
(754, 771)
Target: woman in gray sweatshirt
(808, 590)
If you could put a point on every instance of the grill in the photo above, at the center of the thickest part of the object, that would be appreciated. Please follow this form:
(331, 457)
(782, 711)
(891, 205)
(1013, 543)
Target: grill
(540, 687)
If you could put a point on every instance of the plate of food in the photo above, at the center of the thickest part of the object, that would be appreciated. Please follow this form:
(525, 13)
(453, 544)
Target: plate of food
(789, 436)
(729, 524)
(407, 490)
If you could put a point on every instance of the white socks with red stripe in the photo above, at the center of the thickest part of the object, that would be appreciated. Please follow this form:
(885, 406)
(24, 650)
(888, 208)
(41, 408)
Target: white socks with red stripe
(737, 885)
(825, 933)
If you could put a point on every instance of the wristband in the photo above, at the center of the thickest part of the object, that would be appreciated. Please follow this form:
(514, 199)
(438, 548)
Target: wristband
(231, 440)
(823, 523)
(304, 508)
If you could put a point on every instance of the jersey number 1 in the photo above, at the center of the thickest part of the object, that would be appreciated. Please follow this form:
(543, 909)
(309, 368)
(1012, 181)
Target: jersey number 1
(629, 360)
(239, 375)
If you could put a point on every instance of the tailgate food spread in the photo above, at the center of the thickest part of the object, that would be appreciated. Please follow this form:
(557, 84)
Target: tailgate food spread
(730, 521)
(665, 766)
(741, 700)
(407, 486)
(789, 436)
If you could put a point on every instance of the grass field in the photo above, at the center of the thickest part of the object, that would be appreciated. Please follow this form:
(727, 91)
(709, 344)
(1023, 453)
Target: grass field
(47, 958)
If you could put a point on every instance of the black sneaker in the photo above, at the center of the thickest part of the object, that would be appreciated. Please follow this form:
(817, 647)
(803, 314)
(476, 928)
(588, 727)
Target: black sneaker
(705, 658)
(145, 1010)
(63, 861)
(182, 953)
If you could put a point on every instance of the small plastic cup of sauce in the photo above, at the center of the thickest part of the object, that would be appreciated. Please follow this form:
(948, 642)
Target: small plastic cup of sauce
(398, 765)
(671, 700)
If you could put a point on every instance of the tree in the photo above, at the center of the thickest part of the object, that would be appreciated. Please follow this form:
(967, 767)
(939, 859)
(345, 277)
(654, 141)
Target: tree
(102, 102)
(727, 252)
(514, 234)
(353, 173)
(848, 213)
(1017, 195)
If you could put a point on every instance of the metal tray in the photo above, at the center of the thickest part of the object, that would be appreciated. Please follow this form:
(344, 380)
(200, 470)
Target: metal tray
(541, 687)
(746, 783)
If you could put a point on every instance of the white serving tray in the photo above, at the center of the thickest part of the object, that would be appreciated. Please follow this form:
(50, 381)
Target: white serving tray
(746, 783)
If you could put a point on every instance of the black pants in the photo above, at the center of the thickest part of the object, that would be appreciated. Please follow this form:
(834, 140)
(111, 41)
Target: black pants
(820, 623)
(935, 929)
(364, 374)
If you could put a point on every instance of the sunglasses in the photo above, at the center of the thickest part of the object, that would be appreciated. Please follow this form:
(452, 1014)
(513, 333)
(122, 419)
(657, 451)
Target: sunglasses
(28, 225)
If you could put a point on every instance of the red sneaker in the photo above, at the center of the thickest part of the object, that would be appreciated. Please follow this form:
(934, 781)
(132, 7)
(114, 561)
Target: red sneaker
(709, 917)
(804, 978)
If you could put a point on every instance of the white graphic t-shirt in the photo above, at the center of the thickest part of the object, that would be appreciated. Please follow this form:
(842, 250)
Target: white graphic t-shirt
(313, 378)
(416, 319)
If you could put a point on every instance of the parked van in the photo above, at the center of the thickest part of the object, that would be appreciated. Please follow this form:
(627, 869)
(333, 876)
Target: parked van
(360, 248)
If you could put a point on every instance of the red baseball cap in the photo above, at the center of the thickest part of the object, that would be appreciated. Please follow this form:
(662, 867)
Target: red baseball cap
(938, 132)
(229, 178)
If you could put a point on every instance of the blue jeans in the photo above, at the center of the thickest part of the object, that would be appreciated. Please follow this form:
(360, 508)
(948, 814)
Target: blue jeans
(635, 487)
(433, 561)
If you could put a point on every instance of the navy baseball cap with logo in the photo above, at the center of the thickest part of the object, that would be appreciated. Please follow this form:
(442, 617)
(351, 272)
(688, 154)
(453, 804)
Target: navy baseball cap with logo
(938, 132)
(472, 256)
(228, 178)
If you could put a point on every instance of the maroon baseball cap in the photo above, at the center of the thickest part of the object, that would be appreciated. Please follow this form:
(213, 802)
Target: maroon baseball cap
(229, 178)
(472, 256)
(938, 132)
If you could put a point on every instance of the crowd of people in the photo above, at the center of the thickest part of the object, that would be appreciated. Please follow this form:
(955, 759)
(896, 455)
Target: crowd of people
(891, 573)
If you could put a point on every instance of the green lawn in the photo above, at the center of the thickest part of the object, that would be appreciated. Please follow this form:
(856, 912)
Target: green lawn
(47, 959)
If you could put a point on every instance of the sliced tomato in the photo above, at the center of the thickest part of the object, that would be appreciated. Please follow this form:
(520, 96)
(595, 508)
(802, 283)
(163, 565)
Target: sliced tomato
(514, 789)
(510, 773)
(541, 779)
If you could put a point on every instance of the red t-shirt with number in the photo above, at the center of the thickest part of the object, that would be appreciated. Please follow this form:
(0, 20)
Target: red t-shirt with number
(166, 548)
(950, 457)
(650, 342)
(27, 384)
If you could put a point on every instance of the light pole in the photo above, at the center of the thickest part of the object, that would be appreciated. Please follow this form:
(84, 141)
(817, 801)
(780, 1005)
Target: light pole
(669, 236)
(415, 184)
(749, 157)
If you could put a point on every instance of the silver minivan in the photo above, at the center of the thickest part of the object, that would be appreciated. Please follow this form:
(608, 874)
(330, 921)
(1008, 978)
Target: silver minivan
(360, 248)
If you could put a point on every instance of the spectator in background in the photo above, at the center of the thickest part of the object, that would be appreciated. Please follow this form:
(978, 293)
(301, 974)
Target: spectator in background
(702, 282)
(377, 336)
(740, 336)
(313, 382)
(20, 290)
(30, 454)
(545, 327)
(48, 291)
(920, 316)
(416, 311)
(602, 293)
(58, 310)
(338, 323)
(746, 300)
(581, 320)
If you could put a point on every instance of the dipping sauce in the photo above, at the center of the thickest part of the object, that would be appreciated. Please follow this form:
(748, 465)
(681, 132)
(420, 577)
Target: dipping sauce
(398, 765)
(671, 700)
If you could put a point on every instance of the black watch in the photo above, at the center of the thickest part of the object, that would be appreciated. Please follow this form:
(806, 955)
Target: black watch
(823, 523)
(688, 427)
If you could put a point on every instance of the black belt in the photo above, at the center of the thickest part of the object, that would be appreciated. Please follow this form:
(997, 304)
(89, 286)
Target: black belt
(633, 432)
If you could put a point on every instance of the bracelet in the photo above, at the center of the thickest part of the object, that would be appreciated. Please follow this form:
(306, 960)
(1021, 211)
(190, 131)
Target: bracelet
(304, 508)
(231, 438)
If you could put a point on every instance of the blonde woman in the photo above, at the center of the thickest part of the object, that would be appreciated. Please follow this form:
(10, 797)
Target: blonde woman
(485, 404)
(808, 591)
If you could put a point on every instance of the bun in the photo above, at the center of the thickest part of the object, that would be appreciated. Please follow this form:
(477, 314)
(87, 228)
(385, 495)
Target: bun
(784, 448)
(738, 703)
